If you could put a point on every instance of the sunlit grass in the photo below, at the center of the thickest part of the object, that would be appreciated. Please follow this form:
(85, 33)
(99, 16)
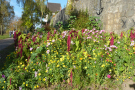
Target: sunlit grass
(5, 36)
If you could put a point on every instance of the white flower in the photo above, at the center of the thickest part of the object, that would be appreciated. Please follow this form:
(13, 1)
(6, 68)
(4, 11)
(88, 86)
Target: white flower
(40, 36)
(132, 43)
(72, 42)
(47, 44)
(37, 47)
(47, 51)
(53, 40)
(89, 37)
(31, 49)
(36, 73)
(118, 42)
(113, 46)
(74, 66)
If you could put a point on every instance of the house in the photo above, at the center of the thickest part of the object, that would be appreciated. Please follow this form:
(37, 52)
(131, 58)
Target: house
(53, 7)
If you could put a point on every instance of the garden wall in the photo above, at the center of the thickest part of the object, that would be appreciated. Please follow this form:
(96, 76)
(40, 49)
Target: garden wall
(116, 15)
(60, 16)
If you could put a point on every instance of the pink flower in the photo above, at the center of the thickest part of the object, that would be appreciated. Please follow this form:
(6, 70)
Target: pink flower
(48, 51)
(121, 35)
(89, 37)
(31, 49)
(109, 76)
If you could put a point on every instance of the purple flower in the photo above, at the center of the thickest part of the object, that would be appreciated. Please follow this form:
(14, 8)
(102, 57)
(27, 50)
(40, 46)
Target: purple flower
(109, 76)
(3, 76)
(20, 88)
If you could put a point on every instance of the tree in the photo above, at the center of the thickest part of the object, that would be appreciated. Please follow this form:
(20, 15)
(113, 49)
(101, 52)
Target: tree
(6, 14)
(33, 12)
(42, 6)
(17, 24)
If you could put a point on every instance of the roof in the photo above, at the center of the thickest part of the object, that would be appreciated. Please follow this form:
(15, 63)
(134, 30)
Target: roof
(54, 7)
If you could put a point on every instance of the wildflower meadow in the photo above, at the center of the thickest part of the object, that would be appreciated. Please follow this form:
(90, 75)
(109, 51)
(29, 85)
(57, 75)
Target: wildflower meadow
(79, 58)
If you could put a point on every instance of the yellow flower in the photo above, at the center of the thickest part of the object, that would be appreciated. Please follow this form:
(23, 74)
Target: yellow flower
(85, 67)
(80, 58)
(37, 86)
(39, 74)
(33, 69)
(20, 63)
(44, 79)
(25, 68)
(34, 86)
(23, 65)
(3, 87)
(128, 77)
(110, 70)
(58, 65)
(46, 70)
(4, 81)
(103, 65)
(18, 66)
(23, 82)
(63, 65)
(131, 67)
(39, 78)
(26, 84)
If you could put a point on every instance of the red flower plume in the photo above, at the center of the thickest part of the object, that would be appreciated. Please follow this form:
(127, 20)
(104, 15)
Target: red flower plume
(71, 76)
(121, 35)
(68, 43)
(112, 41)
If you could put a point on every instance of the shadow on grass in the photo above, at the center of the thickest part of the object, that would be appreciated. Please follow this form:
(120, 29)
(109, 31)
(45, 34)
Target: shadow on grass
(4, 53)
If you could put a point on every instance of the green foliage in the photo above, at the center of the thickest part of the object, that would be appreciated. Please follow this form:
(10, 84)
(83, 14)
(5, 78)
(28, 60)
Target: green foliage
(71, 21)
(59, 25)
(94, 23)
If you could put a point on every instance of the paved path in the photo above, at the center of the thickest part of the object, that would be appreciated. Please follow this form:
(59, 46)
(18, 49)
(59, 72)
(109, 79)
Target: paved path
(5, 43)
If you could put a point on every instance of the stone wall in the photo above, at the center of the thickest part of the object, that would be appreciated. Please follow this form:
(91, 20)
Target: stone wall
(116, 15)
(60, 16)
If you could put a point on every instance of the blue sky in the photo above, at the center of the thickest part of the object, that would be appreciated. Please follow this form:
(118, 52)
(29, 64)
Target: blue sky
(18, 10)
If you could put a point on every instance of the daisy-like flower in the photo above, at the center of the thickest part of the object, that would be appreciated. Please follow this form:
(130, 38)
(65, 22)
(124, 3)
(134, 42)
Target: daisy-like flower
(89, 37)
(109, 76)
(72, 42)
(20, 88)
(36, 73)
(31, 49)
(3, 76)
(132, 43)
(47, 51)
(53, 40)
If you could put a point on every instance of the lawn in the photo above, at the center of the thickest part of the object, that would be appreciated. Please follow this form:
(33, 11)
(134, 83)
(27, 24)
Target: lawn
(5, 36)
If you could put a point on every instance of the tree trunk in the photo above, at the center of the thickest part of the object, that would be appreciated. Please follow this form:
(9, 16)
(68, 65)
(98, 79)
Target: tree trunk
(1, 31)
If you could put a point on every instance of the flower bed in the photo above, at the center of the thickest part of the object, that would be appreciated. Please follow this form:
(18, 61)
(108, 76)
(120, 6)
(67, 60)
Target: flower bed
(75, 56)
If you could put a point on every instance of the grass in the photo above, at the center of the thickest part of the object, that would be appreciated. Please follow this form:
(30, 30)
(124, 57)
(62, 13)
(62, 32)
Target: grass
(4, 53)
(5, 36)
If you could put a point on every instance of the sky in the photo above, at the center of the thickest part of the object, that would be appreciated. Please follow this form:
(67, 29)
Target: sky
(18, 10)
